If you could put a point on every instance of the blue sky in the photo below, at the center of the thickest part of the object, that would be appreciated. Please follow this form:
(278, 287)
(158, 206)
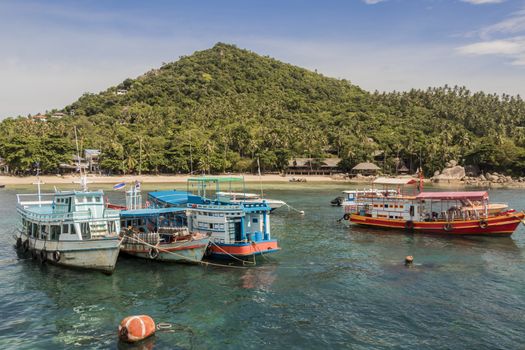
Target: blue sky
(53, 51)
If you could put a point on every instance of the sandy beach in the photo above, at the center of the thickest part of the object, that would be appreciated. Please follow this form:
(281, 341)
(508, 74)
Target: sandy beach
(70, 179)
(249, 179)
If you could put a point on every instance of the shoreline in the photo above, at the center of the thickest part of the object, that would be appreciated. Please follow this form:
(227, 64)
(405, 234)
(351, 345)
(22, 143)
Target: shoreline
(9, 181)
(159, 179)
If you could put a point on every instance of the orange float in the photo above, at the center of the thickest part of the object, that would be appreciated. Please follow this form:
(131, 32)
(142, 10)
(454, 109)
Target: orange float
(135, 328)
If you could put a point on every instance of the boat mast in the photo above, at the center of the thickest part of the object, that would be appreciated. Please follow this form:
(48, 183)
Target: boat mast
(38, 182)
(83, 179)
(260, 178)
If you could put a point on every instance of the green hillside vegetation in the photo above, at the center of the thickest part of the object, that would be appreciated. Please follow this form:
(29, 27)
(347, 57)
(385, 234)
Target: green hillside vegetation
(226, 107)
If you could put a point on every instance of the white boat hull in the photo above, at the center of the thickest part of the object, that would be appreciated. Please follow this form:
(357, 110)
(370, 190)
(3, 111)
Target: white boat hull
(93, 254)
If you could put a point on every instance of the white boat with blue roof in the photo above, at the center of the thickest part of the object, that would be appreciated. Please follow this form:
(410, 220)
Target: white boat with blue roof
(236, 230)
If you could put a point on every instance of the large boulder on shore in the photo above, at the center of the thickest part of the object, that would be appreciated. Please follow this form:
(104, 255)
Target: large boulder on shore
(454, 173)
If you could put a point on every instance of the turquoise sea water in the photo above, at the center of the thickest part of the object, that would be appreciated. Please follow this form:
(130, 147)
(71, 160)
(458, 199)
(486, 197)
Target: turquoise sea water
(331, 286)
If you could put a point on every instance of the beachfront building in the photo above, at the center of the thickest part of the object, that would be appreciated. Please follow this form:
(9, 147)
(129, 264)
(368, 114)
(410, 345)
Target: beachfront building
(313, 166)
(90, 162)
(91, 157)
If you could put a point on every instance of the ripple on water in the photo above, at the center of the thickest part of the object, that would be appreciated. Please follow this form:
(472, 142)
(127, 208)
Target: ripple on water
(332, 286)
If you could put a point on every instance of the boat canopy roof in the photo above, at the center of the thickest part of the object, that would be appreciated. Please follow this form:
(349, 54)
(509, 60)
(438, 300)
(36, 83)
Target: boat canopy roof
(216, 179)
(369, 191)
(171, 197)
(394, 181)
(472, 195)
(149, 212)
(238, 194)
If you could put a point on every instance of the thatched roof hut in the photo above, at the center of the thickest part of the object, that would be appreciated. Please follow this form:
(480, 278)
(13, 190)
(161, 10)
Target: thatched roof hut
(366, 168)
(403, 169)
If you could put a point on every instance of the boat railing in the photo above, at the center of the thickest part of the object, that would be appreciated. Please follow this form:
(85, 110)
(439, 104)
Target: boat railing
(32, 199)
(262, 205)
(77, 216)
(215, 206)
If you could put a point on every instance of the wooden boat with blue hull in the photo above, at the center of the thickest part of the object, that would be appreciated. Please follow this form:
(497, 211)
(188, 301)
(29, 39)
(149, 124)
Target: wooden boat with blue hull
(161, 234)
(237, 230)
(70, 228)
(240, 231)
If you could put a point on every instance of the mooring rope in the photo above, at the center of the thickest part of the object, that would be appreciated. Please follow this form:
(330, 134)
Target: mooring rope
(205, 263)
(232, 256)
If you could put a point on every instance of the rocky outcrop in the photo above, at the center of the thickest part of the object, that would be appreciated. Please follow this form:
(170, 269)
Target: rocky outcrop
(469, 176)
(493, 179)
(451, 173)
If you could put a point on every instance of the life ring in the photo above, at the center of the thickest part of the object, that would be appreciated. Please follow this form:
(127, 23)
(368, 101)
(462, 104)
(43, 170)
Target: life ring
(346, 216)
(409, 225)
(153, 253)
(56, 256)
(18, 243)
(447, 227)
(43, 256)
(25, 246)
(483, 224)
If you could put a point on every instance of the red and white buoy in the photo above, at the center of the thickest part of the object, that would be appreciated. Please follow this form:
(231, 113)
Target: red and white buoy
(135, 328)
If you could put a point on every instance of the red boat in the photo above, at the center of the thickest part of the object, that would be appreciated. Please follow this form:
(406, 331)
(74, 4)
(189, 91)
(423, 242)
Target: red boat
(450, 213)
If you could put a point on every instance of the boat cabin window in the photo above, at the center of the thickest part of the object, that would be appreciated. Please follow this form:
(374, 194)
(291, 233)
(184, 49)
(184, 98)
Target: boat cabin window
(65, 229)
(84, 229)
(255, 220)
(43, 231)
(55, 232)
(112, 226)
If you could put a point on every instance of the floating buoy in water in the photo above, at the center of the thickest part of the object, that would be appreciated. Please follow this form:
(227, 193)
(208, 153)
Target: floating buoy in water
(135, 328)
(409, 259)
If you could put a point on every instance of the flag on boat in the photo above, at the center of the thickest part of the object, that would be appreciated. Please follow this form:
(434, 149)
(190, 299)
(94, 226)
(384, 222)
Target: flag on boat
(119, 186)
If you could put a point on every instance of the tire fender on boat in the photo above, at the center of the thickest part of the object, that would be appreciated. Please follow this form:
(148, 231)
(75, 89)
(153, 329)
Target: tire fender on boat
(25, 245)
(409, 225)
(346, 216)
(136, 328)
(153, 253)
(447, 227)
(18, 243)
(43, 255)
(56, 256)
(483, 223)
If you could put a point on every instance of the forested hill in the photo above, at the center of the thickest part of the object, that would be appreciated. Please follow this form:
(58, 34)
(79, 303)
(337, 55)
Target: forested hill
(229, 106)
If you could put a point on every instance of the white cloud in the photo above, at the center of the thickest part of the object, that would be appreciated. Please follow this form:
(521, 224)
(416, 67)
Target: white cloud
(495, 47)
(512, 25)
(505, 38)
(481, 2)
(373, 2)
